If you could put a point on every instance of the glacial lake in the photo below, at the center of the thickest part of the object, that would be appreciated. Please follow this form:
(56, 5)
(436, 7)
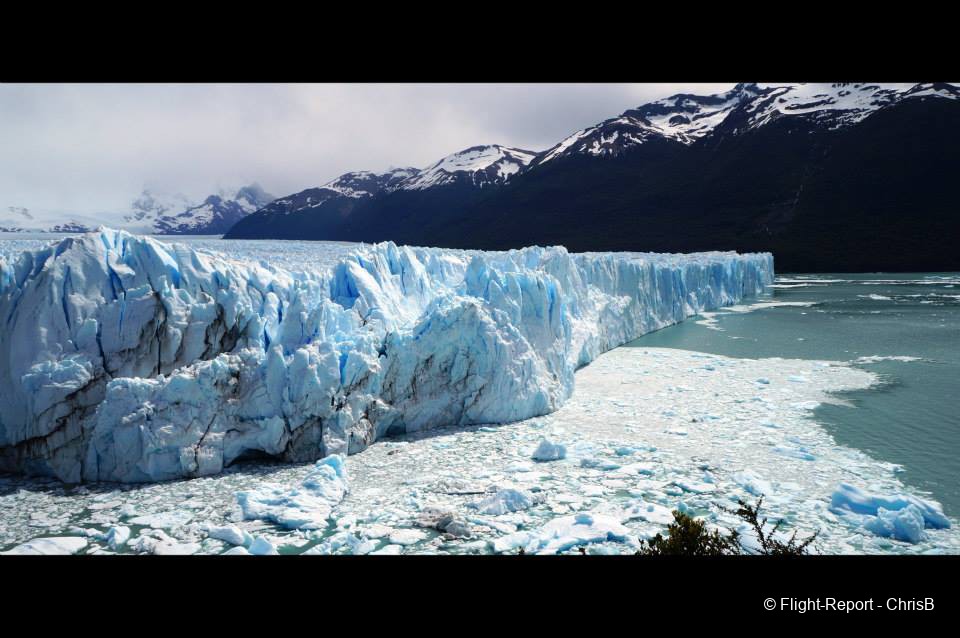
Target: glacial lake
(905, 327)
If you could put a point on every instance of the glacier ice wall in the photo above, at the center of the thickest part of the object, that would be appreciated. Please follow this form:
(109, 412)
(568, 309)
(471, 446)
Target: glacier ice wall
(122, 358)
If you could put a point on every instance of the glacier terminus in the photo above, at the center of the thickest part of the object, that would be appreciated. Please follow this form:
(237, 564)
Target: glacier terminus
(127, 359)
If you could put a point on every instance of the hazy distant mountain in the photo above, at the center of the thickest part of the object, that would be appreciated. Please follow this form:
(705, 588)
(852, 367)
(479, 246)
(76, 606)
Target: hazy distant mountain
(151, 212)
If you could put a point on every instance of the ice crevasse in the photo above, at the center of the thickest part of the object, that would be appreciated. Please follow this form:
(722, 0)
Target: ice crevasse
(126, 359)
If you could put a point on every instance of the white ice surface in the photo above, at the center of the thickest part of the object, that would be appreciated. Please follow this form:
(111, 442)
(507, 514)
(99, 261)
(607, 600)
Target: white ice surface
(628, 409)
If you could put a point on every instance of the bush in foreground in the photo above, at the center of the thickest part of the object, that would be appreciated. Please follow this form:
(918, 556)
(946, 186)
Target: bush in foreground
(689, 537)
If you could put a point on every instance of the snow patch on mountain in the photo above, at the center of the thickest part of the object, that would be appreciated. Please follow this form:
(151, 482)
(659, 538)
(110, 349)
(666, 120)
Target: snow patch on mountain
(686, 118)
(478, 166)
(154, 361)
(367, 184)
(839, 104)
(357, 185)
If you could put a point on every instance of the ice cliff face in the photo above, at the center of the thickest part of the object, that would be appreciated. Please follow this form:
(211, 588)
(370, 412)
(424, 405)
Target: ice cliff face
(125, 359)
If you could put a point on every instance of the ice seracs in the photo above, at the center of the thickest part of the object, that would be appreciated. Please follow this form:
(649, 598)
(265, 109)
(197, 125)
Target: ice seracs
(127, 359)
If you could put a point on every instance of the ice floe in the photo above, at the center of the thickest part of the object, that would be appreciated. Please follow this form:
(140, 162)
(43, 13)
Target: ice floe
(897, 515)
(59, 545)
(307, 505)
(549, 451)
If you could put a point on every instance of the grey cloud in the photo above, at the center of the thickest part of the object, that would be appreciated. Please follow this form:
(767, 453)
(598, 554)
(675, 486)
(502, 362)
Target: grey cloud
(93, 147)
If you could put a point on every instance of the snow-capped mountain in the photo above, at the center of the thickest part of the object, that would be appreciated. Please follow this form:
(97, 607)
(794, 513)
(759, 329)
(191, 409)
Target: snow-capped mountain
(761, 167)
(682, 118)
(346, 189)
(477, 166)
(837, 105)
(150, 206)
(686, 118)
(19, 219)
(326, 208)
(215, 215)
(152, 212)
(367, 184)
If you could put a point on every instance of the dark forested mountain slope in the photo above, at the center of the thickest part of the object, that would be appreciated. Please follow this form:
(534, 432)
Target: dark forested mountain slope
(847, 178)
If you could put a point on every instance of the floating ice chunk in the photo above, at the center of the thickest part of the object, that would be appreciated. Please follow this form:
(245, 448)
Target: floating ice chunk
(650, 512)
(695, 487)
(236, 551)
(406, 536)
(753, 483)
(231, 534)
(798, 452)
(505, 501)
(646, 469)
(565, 532)
(549, 451)
(176, 549)
(376, 530)
(520, 467)
(55, 545)
(905, 524)
(117, 536)
(163, 520)
(598, 464)
(344, 542)
(847, 498)
(306, 506)
(389, 550)
(262, 547)
(879, 358)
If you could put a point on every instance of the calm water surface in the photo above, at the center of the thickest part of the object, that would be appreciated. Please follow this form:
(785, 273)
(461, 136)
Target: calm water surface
(912, 417)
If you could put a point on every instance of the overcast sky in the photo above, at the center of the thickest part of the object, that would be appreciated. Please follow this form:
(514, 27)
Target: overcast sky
(89, 148)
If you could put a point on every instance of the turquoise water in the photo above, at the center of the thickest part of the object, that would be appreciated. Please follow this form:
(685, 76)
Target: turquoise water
(912, 417)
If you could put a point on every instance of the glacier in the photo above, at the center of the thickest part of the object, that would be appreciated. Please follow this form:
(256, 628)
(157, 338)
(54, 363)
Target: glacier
(126, 359)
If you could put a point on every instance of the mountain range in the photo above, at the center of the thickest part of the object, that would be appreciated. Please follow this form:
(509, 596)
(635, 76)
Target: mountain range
(151, 212)
(828, 177)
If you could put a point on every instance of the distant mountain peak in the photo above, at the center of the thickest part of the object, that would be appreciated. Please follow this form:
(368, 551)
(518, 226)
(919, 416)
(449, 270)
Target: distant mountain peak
(216, 214)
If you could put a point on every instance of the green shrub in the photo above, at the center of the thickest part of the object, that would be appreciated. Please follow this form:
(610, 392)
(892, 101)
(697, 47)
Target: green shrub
(770, 546)
(689, 537)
